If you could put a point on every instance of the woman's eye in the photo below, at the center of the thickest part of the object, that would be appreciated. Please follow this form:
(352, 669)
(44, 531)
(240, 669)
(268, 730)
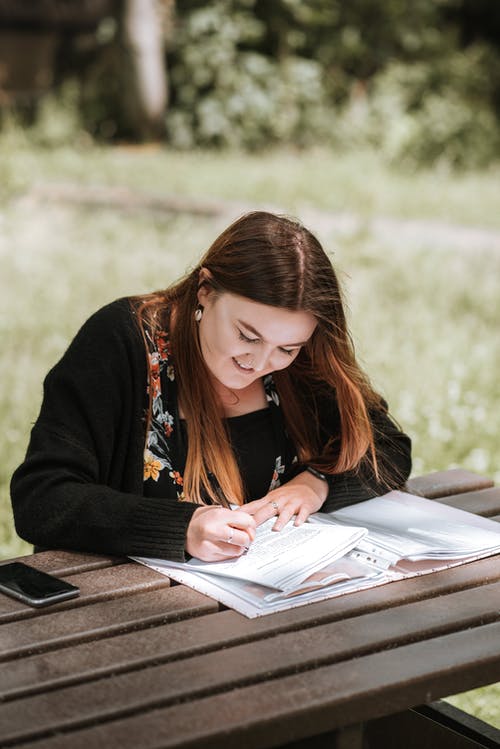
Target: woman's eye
(287, 351)
(245, 338)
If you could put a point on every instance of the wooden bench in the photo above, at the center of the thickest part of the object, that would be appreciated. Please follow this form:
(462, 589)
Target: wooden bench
(138, 662)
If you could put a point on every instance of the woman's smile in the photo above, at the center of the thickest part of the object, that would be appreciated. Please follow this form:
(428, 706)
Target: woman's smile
(243, 367)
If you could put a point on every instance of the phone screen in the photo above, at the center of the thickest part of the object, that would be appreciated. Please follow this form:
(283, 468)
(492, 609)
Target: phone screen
(32, 586)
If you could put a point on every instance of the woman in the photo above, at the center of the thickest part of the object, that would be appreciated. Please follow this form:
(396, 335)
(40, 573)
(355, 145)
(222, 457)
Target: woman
(236, 387)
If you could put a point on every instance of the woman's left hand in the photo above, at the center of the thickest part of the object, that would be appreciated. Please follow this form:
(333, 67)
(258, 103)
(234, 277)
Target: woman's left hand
(301, 496)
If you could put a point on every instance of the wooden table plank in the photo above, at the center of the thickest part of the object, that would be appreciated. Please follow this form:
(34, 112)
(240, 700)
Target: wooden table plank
(304, 704)
(103, 619)
(62, 563)
(445, 483)
(132, 650)
(225, 670)
(485, 502)
(107, 584)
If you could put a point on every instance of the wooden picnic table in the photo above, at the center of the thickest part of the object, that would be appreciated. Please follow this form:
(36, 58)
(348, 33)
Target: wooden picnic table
(139, 662)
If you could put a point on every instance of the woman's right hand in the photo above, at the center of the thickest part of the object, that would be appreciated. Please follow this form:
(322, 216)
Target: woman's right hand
(215, 534)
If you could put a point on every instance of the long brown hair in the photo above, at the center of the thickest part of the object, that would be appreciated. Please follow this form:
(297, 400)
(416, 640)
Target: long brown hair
(276, 261)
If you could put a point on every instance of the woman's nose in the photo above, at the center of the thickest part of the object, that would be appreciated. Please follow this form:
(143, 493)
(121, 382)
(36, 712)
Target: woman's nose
(261, 359)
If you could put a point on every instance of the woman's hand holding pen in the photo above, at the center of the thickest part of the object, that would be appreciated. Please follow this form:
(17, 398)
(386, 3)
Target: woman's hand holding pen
(216, 533)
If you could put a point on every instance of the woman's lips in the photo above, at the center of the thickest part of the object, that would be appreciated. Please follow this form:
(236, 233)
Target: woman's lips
(241, 367)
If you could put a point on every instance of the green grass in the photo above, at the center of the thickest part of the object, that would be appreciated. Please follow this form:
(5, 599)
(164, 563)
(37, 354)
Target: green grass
(483, 703)
(349, 182)
(424, 313)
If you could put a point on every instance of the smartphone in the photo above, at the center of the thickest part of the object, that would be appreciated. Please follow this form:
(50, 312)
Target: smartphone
(33, 587)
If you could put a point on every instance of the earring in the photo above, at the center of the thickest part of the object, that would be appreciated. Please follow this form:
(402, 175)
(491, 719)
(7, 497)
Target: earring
(198, 313)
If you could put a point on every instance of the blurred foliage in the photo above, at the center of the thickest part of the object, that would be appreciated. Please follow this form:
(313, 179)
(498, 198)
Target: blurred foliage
(431, 112)
(226, 91)
(393, 74)
(250, 73)
(418, 79)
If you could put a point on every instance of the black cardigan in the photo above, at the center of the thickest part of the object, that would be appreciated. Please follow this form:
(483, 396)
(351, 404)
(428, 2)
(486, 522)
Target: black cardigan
(81, 484)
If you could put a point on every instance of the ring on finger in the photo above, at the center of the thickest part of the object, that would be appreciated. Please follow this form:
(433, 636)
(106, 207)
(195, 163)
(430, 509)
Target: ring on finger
(275, 507)
(230, 536)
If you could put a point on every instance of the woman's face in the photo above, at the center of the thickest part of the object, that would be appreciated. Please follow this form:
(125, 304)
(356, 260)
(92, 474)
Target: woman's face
(242, 340)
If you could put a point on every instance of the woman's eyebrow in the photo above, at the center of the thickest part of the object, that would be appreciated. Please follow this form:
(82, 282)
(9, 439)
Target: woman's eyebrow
(256, 333)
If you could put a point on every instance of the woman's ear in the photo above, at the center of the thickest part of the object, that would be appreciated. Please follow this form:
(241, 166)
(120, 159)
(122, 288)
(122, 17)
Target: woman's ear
(205, 288)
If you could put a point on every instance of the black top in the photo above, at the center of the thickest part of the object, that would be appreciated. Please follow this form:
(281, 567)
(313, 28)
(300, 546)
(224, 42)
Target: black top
(254, 444)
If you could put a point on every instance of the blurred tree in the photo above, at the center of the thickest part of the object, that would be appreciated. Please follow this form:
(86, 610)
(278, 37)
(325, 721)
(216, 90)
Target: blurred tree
(144, 74)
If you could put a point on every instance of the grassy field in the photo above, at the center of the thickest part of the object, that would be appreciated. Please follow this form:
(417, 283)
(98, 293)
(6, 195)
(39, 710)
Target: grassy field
(423, 307)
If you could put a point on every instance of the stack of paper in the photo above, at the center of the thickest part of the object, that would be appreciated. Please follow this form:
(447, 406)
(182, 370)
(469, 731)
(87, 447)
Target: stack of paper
(382, 540)
(402, 526)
